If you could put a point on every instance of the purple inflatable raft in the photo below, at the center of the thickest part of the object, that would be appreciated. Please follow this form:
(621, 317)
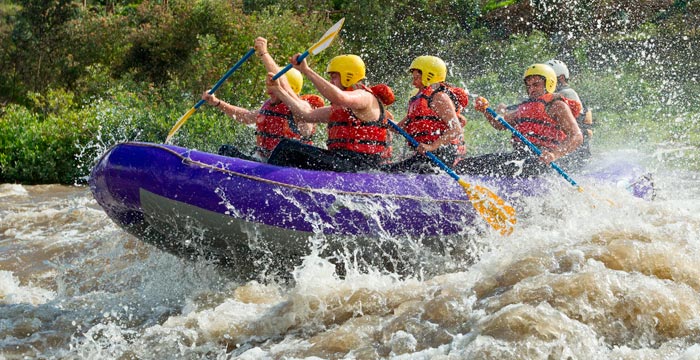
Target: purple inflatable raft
(196, 204)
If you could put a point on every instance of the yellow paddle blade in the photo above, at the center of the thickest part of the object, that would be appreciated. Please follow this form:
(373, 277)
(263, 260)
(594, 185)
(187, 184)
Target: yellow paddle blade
(327, 38)
(491, 207)
(179, 124)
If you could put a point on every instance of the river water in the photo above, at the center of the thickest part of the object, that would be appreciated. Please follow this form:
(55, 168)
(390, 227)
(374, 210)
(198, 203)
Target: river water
(580, 278)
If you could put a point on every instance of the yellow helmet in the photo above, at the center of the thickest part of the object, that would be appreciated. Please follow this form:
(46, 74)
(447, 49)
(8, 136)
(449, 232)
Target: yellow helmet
(432, 68)
(295, 80)
(546, 71)
(350, 67)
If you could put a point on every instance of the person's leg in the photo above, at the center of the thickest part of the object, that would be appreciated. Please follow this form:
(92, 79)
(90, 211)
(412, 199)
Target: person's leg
(511, 164)
(406, 165)
(575, 160)
(421, 164)
(447, 154)
(232, 151)
(293, 153)
(478, 165)
(296, 154)
(350, 161)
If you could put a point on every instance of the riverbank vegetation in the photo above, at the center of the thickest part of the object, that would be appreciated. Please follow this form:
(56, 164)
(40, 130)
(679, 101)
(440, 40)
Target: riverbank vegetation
(79, 76)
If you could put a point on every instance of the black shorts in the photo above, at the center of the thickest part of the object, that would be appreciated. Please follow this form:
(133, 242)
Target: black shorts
(512, 164)
(293, 153)
(232, 151)
(421, 164)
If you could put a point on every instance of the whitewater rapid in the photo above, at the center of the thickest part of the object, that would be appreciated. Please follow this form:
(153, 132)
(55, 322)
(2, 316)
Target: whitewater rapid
(593, 275)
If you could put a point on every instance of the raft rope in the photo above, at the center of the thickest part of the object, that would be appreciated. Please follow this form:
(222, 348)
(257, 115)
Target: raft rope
(306, 189)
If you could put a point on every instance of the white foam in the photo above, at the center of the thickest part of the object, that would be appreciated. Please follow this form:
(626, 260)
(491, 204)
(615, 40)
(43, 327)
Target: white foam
(12, 190)
(11, 292)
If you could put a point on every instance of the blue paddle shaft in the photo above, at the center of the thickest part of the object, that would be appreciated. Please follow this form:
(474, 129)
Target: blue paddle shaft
(532, 146)
(226, 76)
(430, 155)
(289, 66)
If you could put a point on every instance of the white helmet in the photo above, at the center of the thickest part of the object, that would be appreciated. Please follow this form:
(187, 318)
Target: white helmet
(559, 68)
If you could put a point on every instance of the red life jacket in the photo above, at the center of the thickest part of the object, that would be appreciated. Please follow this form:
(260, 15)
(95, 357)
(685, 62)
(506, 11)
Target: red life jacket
(424, 124)
(532, 120)
(459, 96)
(274, 123)
(346, 131)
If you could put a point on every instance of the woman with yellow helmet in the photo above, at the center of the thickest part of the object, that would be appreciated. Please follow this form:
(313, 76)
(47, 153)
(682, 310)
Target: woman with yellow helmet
(433, 118)
(358, 138)
(274, 120)
(545, 119)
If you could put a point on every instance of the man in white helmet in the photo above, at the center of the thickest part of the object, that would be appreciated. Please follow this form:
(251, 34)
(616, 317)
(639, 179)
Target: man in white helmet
(584, 121)
(563, 87)
(545, 119)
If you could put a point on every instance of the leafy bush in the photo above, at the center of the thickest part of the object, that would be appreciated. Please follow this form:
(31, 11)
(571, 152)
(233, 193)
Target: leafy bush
(40, 148)
(85, 79)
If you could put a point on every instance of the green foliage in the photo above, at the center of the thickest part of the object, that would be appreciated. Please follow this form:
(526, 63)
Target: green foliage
(136, 92)
(95, 39)
(7, 48)
(497, 4)
(40, 149)
(75, 80)
(497, 66)
(388, 35)
(38, 39)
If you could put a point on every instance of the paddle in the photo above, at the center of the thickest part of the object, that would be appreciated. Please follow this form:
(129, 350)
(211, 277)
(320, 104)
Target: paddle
(201, 102)
(321, 45)
(532, 146)
(490, 206)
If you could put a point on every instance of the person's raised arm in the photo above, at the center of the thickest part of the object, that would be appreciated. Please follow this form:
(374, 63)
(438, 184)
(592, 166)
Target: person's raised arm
(267, 60)
(245, 116)
(264, 55)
